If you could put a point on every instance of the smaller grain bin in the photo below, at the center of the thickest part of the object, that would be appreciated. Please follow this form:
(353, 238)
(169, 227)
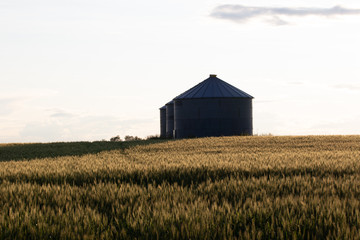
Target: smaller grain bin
(169, 119)
(163, 122)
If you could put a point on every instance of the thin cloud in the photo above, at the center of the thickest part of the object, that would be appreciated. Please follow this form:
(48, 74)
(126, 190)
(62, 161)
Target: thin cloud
(60, 127)
(240, 13)
(9, 105)
(58, 113)
(61, 115)
(347, 86)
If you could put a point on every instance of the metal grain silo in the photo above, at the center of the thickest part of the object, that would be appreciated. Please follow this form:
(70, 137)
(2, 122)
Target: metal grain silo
(169, 119)
(163, 122)
(212, 108)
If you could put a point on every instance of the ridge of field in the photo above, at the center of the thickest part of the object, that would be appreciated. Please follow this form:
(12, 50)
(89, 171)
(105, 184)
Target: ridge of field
(255, 187)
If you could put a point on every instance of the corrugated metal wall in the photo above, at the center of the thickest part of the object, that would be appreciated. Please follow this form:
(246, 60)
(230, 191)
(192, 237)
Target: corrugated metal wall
(169, 119)
(163, 122)
(212, 117)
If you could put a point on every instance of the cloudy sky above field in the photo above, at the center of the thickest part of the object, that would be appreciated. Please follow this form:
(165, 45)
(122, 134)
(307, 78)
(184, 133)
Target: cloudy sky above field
(89, 70)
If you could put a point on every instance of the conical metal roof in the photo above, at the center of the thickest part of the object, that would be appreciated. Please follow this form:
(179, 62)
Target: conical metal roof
(164, 107)
(213, 87)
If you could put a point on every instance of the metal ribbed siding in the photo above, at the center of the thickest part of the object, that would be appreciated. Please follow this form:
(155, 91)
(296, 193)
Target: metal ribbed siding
(163, 122)
(169, 119)
(212, 117)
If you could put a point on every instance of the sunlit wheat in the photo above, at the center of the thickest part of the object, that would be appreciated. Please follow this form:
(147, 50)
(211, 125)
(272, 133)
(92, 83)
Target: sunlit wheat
(209, 188)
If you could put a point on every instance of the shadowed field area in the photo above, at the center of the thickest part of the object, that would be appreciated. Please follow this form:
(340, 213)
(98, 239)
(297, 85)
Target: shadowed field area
(28, 151)
(208, 188)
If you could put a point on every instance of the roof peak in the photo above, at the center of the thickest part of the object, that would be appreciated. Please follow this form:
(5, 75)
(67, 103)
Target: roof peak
(213, 87)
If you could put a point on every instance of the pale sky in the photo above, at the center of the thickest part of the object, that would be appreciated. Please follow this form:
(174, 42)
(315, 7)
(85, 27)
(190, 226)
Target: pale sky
(86, 70)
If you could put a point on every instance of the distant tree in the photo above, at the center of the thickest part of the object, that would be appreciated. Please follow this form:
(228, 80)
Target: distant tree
(153, 137)
(115, 139)
(132, 138)
(129, 138)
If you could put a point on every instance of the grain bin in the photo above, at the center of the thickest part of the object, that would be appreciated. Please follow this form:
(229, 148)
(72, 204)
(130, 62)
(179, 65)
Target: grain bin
(169, 119)
(212, 108)
(163, 122)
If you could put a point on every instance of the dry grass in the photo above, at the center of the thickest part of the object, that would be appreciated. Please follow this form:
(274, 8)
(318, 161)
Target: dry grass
(211, 188)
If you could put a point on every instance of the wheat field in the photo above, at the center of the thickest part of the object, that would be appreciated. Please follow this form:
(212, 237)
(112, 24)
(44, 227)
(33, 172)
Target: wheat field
(258, 187)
